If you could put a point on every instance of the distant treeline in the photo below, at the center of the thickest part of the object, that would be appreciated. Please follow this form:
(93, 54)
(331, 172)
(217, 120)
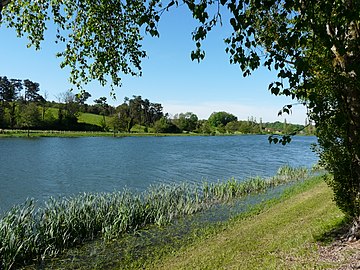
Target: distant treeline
(23, 107)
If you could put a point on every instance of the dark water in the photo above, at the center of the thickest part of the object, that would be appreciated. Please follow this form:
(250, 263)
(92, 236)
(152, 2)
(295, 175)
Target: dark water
(43, 167)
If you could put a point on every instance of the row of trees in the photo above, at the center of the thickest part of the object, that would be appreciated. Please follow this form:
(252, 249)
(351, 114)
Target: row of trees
(223, 122)
(17, 109)
(136, 111)
(21, 106)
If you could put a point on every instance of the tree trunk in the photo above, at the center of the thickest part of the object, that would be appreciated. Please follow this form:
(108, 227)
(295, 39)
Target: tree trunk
(347, 90)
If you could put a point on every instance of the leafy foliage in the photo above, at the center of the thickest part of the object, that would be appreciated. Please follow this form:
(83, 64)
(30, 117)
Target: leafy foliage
(164, 125)
(186, 121)
(100, 39)
(32, 91)
(217, 119)
(30, 115)
(136, 111)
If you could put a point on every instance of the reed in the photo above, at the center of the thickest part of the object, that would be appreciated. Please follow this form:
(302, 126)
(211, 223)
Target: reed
(29, 234)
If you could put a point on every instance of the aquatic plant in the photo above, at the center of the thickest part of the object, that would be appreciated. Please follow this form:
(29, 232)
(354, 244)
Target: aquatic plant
(29, 234)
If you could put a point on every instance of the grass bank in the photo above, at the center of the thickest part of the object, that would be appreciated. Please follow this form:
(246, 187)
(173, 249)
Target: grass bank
(281, 235)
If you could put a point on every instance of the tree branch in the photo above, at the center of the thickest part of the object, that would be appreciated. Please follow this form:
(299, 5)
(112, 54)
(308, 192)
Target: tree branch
(3, 3)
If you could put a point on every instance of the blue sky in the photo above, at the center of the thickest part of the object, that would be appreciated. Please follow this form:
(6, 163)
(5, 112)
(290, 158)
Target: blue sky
(169, 75)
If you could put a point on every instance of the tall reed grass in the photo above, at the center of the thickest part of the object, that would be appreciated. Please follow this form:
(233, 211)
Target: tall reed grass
(29, 234)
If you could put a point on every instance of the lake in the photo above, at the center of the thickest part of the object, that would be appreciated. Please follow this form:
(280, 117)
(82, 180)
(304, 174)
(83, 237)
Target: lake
(43, 167)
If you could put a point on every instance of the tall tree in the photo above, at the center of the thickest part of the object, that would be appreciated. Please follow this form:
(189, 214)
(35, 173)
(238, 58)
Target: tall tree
(123, 118)
(32, 91)
(155, 112)
(313, 46)
(146, 112)
(69, 110)
(103, 105)
(136, 109)
(186, 121)
(9, 89)
(30, 116)
(81, 98)
(12, 97)
(9, 92)
(5, 88)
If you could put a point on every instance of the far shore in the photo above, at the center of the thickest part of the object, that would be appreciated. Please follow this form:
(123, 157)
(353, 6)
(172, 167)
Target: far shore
(17, 133)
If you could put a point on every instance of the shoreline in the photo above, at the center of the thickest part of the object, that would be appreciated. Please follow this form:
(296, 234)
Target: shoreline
(71, 222)
(280, 233)
(58, 133)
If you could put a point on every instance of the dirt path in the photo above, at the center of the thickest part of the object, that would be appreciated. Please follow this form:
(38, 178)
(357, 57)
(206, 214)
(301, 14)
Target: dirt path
(344, 253)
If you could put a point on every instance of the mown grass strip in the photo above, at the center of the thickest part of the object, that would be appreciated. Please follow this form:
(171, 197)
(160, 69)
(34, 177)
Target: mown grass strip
(282, 236)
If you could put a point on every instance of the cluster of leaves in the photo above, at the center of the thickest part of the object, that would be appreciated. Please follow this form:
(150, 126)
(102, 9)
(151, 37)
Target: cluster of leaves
(101, 39)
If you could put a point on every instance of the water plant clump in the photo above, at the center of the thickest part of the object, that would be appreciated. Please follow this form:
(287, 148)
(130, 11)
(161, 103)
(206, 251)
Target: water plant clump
(29, 234)
(235, 189)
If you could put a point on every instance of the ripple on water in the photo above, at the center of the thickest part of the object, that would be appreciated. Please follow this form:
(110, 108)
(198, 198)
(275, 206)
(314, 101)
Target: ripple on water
(47, 167)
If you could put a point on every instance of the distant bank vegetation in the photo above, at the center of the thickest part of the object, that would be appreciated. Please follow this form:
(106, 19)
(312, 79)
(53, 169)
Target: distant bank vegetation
(23, 107)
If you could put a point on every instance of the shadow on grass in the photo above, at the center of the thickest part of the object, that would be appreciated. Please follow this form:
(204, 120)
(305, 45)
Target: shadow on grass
(338, 232)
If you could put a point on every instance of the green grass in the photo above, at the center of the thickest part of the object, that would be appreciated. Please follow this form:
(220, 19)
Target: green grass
(29, 234)
(283, 236)
(54, 133)
(92, 119)
(51, 112)
(88, 118)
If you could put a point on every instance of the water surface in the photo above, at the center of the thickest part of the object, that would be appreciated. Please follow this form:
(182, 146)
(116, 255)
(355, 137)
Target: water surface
(43, 167)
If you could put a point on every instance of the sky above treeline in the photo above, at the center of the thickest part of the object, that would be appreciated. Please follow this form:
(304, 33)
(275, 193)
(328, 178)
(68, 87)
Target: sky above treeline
(169, 75)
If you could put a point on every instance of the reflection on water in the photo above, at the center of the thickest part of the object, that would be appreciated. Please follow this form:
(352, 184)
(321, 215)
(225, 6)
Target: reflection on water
(44, 167)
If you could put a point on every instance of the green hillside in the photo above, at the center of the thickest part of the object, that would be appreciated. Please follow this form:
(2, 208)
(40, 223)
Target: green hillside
(92, 119)
(87, 118)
